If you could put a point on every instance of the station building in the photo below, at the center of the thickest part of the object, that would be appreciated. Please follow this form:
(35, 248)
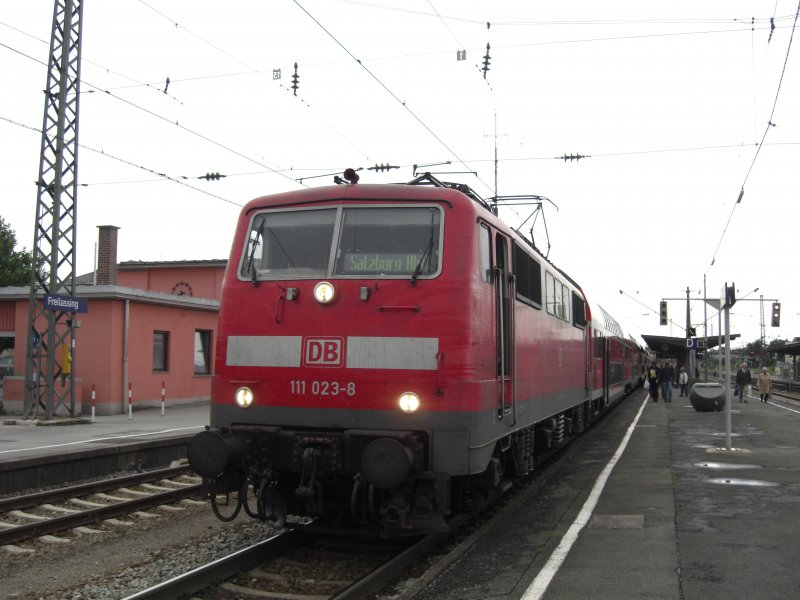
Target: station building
(150, 326)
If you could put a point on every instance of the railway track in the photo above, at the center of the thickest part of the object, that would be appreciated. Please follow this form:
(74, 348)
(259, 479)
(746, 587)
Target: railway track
(300, 564)
(23, 518)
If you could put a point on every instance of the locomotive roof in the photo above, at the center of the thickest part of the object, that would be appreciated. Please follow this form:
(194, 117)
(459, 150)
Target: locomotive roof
(360, 191)
(425, 188)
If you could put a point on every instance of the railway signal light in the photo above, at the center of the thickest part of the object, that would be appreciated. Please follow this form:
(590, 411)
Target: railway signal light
(663, 313)
(776, 314)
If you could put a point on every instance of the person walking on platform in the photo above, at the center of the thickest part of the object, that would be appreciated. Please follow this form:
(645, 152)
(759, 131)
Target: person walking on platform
(652, 379)
(743, 379)
(667, 376)
(764, 384)
(683, 381)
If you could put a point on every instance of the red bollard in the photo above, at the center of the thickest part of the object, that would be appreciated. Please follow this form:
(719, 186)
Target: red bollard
(130, 401)
(163, 393)
(94, 397)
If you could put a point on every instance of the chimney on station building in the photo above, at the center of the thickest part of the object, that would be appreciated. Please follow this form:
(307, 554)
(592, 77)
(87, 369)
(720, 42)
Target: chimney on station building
(106, 273)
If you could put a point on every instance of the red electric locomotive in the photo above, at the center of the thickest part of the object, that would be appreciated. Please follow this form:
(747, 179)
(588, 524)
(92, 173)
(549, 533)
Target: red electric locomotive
(392, 353)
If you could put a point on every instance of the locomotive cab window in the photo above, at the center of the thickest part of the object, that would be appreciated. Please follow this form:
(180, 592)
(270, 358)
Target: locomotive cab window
(289, 244)
(396, 241)
(389, 241)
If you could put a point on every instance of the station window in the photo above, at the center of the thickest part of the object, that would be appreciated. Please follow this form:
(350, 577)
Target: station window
(160, 351)
(529, 278)
(202, 352)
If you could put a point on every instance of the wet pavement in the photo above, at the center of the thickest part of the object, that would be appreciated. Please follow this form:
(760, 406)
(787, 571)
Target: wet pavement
(680, 515)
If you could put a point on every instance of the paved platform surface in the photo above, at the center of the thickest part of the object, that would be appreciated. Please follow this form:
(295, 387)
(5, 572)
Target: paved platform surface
(680, 516)
(21, 441)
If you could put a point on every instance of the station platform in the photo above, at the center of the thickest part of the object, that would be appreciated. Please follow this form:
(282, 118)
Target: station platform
(29, 451)
(20, 440)
(651, 504)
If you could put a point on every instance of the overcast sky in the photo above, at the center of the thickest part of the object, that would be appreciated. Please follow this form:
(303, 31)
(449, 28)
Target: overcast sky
(667, 103)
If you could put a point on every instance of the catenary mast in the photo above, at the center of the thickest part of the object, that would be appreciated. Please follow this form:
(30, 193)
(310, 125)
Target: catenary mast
(49, 376)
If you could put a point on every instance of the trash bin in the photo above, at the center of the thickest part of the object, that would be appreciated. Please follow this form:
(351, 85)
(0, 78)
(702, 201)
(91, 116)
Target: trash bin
(707, 397)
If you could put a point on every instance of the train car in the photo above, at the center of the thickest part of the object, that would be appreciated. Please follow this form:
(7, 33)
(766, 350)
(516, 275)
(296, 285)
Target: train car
(388, 354)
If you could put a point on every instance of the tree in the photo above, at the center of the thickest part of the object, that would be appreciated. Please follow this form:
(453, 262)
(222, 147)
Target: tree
(15, 265)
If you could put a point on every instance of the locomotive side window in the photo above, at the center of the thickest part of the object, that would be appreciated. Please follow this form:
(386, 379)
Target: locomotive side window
(565, 303)
(598, 345)
(578, 311)
(559, 300)
(390, 241)
(529, 278)
(485, 245)
(550, 292)
(290, 243)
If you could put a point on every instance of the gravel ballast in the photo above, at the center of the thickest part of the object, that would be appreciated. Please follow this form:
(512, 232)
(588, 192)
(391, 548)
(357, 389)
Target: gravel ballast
(125, 559)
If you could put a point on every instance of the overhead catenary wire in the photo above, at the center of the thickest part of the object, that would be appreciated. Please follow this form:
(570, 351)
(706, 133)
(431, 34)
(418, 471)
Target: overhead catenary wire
(259, 72)
(481, 23)
(770, 125)
(161, 176)
(160, 117)
(390, 92)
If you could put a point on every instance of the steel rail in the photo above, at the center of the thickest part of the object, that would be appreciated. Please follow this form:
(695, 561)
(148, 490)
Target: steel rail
(25, 532)
(376, 579)
(85, 489)
(224, 568)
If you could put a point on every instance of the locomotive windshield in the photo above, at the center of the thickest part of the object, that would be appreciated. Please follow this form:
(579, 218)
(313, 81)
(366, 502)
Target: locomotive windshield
(396, 241)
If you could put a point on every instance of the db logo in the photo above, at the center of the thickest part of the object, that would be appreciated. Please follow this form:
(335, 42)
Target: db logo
(323, 352)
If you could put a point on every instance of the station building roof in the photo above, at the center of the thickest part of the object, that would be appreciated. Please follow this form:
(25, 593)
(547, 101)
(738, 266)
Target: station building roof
(792, 348)
(676, 346)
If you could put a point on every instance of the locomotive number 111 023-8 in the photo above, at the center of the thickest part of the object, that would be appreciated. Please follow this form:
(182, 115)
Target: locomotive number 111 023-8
(322, 388)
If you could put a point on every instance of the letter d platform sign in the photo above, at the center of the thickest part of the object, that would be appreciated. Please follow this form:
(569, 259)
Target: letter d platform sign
(323, 352)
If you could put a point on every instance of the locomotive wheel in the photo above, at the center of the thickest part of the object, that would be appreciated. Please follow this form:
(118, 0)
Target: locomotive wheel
(228, 510)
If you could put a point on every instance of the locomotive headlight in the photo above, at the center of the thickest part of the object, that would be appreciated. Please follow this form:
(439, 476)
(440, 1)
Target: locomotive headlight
(324, 292)
(409, 402)
(243, 397)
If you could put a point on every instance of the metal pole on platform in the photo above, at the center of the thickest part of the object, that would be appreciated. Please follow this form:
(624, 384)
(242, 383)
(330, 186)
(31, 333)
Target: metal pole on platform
(705, 333)
(728, 398)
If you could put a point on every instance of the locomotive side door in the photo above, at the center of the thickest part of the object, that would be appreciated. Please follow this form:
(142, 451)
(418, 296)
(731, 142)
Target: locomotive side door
(504, 327)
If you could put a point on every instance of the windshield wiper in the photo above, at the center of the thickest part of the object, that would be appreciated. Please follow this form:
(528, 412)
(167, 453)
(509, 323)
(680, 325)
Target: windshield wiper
(425, 256)
(251, 259)
(428, 254)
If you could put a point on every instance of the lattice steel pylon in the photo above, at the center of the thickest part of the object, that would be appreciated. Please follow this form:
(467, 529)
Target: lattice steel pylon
(51, 334)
